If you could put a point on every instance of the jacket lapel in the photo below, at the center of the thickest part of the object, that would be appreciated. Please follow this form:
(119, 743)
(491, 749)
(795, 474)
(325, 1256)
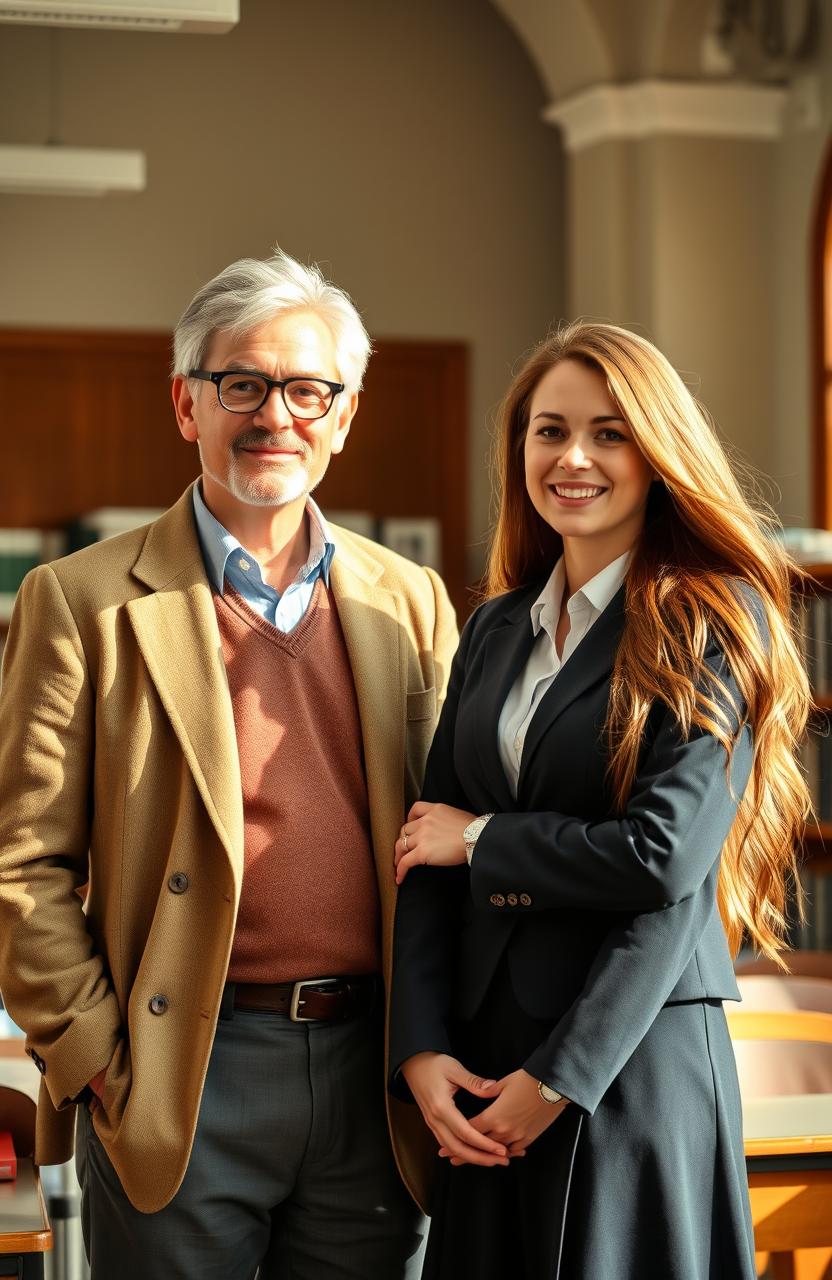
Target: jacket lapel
(507, 650)
(176, 629)
(592, 661)
(369, 617)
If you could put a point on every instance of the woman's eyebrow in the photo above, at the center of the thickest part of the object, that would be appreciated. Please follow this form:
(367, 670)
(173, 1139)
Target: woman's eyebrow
(595, 422)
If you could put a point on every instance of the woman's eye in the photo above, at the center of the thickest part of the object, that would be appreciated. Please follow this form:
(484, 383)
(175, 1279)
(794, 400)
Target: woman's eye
(610, 433)
(550, 433)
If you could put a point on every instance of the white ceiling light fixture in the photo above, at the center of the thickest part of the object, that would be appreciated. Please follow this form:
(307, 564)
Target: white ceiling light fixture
(197, 16)
(70, 171)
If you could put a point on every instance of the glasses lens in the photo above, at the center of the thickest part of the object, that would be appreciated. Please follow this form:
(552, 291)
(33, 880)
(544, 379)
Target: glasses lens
(308, 398)
(242, 392)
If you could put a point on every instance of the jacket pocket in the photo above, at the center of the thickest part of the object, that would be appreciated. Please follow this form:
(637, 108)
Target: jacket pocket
(421, 704)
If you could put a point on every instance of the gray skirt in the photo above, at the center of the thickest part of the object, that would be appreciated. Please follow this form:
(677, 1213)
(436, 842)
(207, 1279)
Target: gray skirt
(651, 1187)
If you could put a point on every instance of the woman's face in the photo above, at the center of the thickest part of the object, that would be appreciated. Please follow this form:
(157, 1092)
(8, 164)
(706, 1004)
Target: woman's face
(585, 474)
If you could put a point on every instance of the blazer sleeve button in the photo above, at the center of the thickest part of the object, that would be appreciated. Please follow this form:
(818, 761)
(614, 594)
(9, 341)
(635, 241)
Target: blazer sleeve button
(38, 1061)
(158, 1004)
(497, 900)
(525, 900)
(178, 882)
(511, 899)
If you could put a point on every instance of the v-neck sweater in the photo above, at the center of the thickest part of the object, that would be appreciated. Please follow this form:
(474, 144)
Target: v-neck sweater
(309, 901)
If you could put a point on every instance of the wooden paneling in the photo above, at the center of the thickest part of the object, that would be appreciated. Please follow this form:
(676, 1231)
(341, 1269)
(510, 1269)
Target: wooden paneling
(87, 422)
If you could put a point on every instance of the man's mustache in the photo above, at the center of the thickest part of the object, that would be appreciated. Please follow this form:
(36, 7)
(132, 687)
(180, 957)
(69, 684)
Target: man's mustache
(257, 438)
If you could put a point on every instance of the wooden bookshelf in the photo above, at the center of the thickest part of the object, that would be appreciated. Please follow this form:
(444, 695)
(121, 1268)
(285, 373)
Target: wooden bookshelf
(107, 436)
(817, 848)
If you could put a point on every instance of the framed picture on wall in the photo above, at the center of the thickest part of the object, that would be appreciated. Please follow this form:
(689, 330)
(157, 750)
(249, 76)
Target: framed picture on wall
(362, 522)
(418, 539)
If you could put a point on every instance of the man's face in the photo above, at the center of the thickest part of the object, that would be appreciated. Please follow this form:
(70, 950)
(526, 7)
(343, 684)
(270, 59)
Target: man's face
(267, 458)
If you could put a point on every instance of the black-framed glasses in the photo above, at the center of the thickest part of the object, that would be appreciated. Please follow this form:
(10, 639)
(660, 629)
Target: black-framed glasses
(242, 392)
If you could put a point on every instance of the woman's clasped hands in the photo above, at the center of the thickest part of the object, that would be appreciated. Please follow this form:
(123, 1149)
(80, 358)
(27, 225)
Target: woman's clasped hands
(502, 1130)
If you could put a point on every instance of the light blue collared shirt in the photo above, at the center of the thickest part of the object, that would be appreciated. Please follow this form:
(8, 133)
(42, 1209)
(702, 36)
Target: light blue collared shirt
(227, 561)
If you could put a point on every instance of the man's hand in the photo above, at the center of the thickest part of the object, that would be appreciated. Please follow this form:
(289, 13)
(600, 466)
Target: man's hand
(97, 1086)
(431, 836)
(516, 1117)
(434, 1079)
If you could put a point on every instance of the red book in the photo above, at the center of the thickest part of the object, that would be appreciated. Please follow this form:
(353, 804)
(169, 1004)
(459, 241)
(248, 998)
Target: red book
(8, 1159)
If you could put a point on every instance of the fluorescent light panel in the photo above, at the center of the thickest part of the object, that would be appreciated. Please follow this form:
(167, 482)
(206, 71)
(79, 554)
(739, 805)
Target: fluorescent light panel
(68, 171)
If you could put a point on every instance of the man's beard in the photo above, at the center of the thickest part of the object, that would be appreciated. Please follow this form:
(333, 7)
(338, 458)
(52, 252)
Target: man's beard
(272, 487)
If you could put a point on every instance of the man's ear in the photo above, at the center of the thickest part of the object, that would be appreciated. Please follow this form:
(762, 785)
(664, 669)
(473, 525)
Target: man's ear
(346, 413)
(183, 407)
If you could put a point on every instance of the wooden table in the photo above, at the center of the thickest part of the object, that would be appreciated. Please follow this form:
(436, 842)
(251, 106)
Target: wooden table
(24, 1227)
(788, 1148)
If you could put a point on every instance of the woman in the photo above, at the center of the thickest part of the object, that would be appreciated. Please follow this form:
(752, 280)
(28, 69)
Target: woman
(557, 1003)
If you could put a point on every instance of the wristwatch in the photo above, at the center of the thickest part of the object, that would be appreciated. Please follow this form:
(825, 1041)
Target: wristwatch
(547, 1094)
(472, 833)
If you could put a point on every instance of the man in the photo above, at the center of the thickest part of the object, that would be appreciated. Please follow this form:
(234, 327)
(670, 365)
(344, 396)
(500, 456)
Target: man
(219, 721)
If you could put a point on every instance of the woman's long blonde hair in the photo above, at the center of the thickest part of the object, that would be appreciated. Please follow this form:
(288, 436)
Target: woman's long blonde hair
(702, 538)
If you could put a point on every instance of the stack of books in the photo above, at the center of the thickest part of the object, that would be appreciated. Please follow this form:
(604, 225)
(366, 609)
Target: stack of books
(23, 549)
(20, 551)
(106, 522)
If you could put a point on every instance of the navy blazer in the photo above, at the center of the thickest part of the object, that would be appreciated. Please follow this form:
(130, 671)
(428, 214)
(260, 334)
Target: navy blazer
(603, 917)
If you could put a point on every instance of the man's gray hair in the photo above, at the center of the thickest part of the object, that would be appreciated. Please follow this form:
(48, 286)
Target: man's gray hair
(251, 292)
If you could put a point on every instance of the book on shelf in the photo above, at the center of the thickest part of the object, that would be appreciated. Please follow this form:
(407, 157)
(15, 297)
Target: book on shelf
(807, 546)
(20, 551)
(106, 522)
(814, 933)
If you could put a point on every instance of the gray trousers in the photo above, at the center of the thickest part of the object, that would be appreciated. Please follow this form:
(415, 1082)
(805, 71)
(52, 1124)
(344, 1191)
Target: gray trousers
(291, 1170)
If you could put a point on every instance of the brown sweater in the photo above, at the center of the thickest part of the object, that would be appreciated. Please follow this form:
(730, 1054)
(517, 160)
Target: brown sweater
(309, 902)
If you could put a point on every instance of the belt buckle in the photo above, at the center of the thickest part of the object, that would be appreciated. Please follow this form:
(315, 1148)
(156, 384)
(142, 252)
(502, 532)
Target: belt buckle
(297, 999)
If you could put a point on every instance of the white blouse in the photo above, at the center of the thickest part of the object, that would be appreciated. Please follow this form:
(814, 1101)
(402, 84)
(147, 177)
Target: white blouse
(584, 608)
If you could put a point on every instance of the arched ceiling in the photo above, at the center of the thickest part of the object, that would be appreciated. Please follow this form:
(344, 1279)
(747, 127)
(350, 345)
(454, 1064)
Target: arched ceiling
(579, 43)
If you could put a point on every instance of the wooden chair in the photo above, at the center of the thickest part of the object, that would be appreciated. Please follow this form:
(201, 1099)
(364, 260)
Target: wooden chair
(784, 1060)
(25, 1234)
(768, 993)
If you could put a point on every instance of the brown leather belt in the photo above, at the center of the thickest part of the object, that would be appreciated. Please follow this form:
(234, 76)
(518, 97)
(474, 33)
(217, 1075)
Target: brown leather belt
(310, 1000)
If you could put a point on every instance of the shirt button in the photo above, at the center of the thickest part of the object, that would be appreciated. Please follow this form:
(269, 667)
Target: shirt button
(497, 900)
(518, 743)
(158, 1004)
(178, 882)
(243, 563)
(525, 900)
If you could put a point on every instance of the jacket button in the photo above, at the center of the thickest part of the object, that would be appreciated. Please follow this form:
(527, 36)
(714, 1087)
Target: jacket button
(511, 899)
(158, 1004)
(497, 900)
(525, 900)
(178, 882)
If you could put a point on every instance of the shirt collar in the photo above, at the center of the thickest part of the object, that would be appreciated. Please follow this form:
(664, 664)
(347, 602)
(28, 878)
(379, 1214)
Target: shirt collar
(595, 594)
(218, 544)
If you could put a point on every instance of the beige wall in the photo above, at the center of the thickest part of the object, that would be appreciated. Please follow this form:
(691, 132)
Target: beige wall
(399, 145)
(699, 242)
(670, 237)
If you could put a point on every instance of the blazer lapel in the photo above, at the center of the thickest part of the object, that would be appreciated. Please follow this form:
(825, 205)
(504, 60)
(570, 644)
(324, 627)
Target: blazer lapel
(591, 662)
(506, 652)
(176, 629)
(369, 617)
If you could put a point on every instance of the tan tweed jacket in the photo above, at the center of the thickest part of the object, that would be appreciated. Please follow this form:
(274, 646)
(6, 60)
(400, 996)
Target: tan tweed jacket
(118, 765)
